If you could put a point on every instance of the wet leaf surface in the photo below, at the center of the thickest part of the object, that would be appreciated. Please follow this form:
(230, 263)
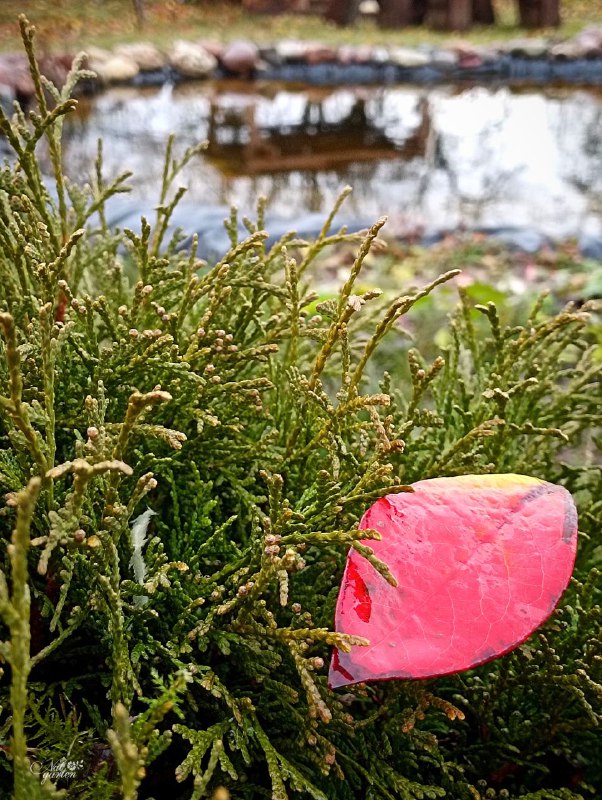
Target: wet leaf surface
(480, 563)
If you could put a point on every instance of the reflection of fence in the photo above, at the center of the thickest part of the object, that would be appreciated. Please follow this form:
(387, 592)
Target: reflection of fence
(243, 147)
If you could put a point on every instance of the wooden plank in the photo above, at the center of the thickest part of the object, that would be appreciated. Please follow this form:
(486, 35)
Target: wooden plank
(528, 13)
(343, 12)
(483, 12)
(419, 11)
(460, 15)
(450, 15)
(549, 14)
(539, 13)
(396, 13)
(277, 6)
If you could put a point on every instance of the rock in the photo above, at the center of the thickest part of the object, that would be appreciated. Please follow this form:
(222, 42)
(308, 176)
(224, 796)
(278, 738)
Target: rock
(469, 57)
(212, 46)
(269, 55)
(96, 58)
(528, 48)
(97, 54)
(14, 74)
(291, 50)
(591, 36)
(594, 52)
(470, 61)
(117, 69)
(318, 53)
(240, 58)
(191, 60)
(568, 51)
(146, 56)
(461, 47)
(489, 53)
(364, 54)
(348, 54)
(445, 59)
(406, 57)
(590, 40)
(380, 55)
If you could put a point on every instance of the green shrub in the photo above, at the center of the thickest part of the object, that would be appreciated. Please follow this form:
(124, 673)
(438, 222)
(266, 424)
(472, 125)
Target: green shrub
(249, 431)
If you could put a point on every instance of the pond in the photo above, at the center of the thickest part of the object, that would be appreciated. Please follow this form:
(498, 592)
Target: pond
(431, 158)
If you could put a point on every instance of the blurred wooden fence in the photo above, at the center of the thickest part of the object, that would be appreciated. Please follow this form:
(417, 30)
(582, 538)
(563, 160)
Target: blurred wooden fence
(439, 14)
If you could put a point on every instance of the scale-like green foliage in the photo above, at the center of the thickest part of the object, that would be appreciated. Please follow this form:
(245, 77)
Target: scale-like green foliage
(182, 652)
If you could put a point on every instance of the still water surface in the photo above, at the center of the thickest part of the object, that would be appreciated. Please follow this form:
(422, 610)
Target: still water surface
(428, 157)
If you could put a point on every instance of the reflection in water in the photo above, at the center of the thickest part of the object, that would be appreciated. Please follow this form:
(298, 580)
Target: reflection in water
(239, 144)
(431, 157)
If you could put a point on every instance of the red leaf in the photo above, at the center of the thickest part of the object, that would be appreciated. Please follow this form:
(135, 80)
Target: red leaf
(480, 561)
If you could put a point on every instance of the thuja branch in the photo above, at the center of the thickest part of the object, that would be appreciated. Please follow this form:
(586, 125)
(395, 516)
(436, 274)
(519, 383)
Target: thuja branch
(53, 132)
(15, 611)
(130, 758)
(137, 404)
(48, 353)
(14, 407)
(396, 310)
(346, 305)
(65, 521)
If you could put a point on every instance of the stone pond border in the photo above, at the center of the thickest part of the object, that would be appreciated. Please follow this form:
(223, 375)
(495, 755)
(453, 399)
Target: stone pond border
(534, 60)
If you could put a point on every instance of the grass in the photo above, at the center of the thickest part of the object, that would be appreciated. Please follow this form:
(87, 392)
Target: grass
(71, 25)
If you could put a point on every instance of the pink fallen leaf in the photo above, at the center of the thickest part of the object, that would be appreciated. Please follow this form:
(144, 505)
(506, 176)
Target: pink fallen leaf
(480, 562)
